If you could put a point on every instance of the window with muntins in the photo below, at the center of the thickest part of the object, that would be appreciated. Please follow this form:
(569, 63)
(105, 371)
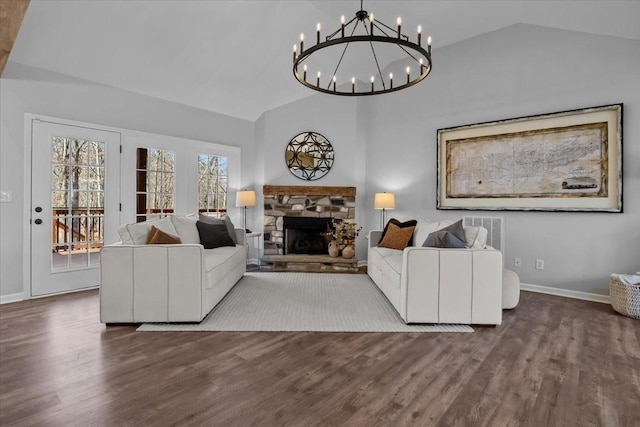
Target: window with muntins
(155, 170)
(213, 181)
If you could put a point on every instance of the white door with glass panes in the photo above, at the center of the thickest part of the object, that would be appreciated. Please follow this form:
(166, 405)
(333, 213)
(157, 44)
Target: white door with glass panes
(75, 198)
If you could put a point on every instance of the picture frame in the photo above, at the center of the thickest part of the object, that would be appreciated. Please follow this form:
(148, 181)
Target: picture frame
(564, 161)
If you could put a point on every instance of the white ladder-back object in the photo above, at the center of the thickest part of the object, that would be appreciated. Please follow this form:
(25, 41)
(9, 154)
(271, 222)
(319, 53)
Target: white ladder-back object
(494, 226)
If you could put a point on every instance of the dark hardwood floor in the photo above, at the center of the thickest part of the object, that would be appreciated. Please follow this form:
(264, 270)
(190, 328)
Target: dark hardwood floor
(553, 362)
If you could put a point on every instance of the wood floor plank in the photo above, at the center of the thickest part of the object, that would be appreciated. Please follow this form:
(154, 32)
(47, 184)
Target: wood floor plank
(553, 362)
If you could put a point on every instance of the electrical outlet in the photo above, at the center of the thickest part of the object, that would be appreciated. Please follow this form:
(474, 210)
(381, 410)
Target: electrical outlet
(517, 262)
(539, 264)
(6, 197)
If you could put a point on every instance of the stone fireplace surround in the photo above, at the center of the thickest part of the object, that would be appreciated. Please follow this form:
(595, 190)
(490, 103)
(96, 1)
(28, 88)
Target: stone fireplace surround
(304, 201)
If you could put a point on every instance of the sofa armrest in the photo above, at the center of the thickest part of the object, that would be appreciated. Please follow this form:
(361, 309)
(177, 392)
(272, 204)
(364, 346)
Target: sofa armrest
(374, 238)
(140, 283)
(241, 236)
(439, 285)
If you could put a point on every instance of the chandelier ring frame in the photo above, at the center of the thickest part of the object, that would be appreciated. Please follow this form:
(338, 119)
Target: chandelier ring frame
(425, 68)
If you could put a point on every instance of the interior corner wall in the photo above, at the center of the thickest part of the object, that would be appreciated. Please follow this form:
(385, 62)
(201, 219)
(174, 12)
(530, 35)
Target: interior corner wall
(28, 90)
(518, 71)
(336, 118)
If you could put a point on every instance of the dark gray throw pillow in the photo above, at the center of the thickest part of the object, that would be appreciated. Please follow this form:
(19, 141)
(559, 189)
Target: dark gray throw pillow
(231, 229)
(226, 221)
(214, 235)
(456, 229)
(443, 239)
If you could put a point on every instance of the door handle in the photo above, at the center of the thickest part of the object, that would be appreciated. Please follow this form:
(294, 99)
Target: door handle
(38, 221)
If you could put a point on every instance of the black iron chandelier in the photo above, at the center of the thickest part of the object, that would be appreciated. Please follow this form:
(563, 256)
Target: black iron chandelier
(364, 28)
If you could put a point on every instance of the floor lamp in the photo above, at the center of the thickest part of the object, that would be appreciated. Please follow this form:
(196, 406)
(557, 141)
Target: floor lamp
(245, 198)
(384, 201)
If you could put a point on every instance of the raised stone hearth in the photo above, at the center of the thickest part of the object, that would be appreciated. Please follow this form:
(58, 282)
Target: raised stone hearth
(304, 201)
(311, 263)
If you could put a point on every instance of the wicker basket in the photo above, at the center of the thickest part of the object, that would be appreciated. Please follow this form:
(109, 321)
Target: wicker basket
(625, 296)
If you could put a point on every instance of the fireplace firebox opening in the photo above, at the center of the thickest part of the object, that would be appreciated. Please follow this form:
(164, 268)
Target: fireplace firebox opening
(305, 235)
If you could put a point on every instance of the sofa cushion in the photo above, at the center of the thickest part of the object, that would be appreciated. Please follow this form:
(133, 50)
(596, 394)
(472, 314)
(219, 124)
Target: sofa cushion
(219, 258)
(125, 236)
(214, 235)
(395, 262)
(159, 237)
(136, 233)
(186, 228)
(225, 220)
(475, 237)
(396, 237)
(385, 252)
(424, 228)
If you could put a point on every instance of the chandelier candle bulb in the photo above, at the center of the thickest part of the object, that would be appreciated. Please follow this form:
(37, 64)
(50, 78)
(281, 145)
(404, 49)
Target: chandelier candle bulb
(301, 42)
(429, 44)
(421, 65)
(342, 20)
(391, 80)
(353, 85)
(318, 33)
(371, 18)
(419, 35)
(295, 49)
(334, 83)
(399, 21)
(372, 79)
(408, 74)
(318, 80)
(305, 72)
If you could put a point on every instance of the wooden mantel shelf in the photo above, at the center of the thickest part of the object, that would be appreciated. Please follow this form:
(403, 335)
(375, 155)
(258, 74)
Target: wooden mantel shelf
(308, 190)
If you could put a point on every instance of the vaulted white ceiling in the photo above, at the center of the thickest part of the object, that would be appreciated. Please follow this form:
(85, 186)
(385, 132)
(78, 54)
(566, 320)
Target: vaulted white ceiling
(234, 57)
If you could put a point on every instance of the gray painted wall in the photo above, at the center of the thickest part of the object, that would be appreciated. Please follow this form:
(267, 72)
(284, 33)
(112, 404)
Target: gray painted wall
(518, 71)
(334, 117)
(28, 90)
(386, 143)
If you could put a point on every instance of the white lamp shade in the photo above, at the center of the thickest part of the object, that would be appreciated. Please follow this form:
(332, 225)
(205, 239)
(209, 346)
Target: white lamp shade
(384, 201)
(245, 198)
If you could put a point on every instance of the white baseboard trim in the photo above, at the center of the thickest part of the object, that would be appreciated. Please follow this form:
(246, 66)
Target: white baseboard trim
(605, 299)
(6, 299)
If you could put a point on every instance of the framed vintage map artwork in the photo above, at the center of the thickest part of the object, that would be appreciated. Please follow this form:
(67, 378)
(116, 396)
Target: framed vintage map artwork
(566, 161)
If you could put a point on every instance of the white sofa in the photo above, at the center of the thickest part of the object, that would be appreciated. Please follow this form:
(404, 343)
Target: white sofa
(166, 283)
(435, 285)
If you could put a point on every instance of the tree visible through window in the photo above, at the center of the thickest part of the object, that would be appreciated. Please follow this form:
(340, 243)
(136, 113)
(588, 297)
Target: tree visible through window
(77, 200)
(154, 183)
(213, 178)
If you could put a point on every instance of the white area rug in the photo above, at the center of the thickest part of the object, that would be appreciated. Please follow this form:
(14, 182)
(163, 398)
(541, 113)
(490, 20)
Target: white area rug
(287, 302)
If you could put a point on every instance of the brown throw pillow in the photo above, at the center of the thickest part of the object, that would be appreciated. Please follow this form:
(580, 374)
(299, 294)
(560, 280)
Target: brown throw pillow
(396, 237)
(159, 237)
(410, 223)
